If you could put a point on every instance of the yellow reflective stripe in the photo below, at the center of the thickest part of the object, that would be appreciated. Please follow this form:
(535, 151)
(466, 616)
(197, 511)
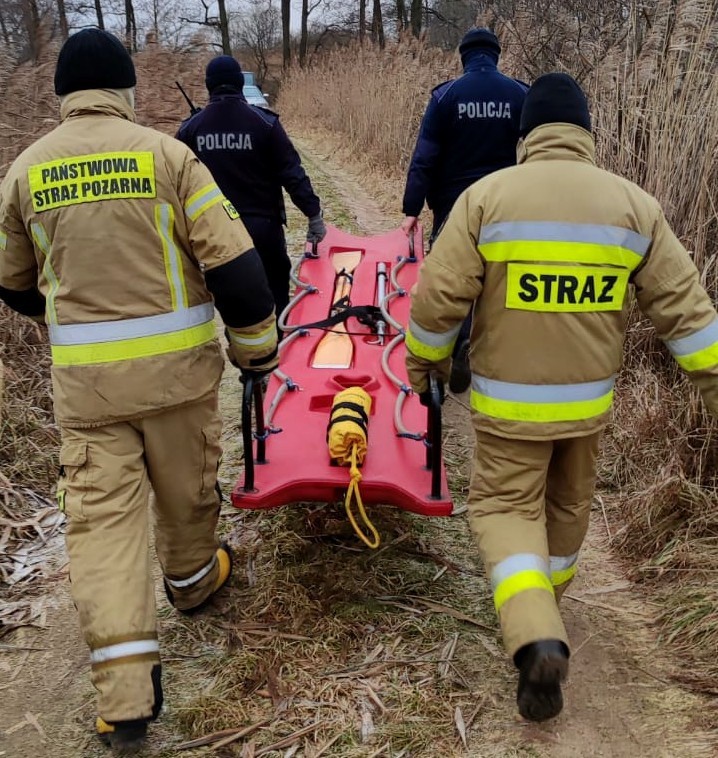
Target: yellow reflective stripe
(429, 352)
(561, 577)
(3, 240)
(559, 252)
(521, 581)
(202, 201)
(253, 341)
(39, 235)
(701, 359)
(138, 347)
(516, 410)
(164, 221)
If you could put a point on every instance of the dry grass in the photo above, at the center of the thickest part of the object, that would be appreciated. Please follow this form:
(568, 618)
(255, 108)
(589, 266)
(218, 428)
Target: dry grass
(654, 98)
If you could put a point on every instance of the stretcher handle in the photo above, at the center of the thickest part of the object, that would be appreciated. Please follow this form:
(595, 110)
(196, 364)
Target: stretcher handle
(252, 395)
(433, 434)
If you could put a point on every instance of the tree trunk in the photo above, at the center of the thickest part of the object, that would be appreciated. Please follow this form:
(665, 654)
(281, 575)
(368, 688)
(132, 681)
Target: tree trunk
(130, 27)
(377, 25)
(224, 27)
(303, 33)
(362, 20)
(286, 51)
(3, 28)
(400, 16)
(98, 13)
(415, 17)
(62, 16)
(31, 21)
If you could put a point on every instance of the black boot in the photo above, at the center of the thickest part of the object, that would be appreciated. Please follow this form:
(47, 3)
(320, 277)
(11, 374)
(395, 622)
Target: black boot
(542, 665)
(124, 737)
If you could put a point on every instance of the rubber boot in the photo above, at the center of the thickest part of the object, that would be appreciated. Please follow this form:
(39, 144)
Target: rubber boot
(460, 377)
(124, 737)
(224, 562)
(542, 665)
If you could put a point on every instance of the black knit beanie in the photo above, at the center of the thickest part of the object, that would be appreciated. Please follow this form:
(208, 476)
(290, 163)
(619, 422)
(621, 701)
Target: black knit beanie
(93, 59)
(225, 71)
(554, 98)
(478, 37)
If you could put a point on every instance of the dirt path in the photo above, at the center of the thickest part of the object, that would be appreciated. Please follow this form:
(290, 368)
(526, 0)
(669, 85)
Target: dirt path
(319, 601)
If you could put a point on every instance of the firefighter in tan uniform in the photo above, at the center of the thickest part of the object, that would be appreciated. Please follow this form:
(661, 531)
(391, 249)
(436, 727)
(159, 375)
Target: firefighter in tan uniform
(117, 235)
(544, 253)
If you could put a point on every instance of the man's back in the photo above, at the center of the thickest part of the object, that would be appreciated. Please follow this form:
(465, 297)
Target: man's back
(236, 141)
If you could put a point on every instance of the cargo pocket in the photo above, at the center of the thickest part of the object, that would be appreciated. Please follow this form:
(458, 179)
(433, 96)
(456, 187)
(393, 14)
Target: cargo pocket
(73, 482)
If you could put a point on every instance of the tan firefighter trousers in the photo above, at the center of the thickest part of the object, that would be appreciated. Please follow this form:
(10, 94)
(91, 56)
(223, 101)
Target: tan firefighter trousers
(104, 487)
(529, 504)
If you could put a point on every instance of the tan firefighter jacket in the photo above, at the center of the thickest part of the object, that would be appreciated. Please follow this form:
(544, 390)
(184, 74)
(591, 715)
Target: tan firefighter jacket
(115, 222)
(548, 252)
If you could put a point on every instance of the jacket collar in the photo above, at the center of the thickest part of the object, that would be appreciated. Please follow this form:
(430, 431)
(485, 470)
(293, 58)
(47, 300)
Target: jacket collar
(479, 60)
(557, 141)
(219, 96)
(93, 102)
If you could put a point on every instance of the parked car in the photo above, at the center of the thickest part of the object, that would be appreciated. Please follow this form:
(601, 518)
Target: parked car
(252, 94)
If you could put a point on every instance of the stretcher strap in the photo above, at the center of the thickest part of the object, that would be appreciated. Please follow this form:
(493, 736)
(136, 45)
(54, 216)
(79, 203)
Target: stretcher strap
(353, 491)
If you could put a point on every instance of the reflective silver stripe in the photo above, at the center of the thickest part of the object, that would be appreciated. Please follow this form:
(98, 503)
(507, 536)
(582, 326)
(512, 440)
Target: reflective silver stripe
(433, 339)
(515, 563)
(550, 231)
(179, 583)
(39, 235)
(130, 328)
(562, 562)
(541, 393)
(3, 240)
(173, 258)
(124, 649)
(260, 340)
(699, 340)
(193, 209)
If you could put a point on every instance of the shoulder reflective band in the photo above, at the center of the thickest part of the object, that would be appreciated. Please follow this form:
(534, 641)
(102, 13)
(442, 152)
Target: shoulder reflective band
(3, 240)
(562, 243)
(88, 178)
(39, 236)
(565, 289)
(164, 222)
(541, 403)
(190, 580)
(519, 573)
(432, 346)
(203, 200)
(562, 568)
(126, 339)
(698, 350)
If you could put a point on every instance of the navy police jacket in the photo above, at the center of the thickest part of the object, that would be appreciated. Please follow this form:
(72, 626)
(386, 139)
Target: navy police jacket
(470, 128)
(250, 157)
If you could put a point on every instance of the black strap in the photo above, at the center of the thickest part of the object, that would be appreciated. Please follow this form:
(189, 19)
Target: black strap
(364, 314)
(352, 407)
(356, 420)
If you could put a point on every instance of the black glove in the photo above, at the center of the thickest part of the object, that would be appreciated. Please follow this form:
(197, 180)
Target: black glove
(316, 230)
(425, 396)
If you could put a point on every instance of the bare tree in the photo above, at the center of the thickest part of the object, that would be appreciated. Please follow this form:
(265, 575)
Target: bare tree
(377, 25)
(218, 23)
(286, 18)
(259, 33)
(98, 13)
(401, 19)
(362, 20)
(31, 22)
(224, 27)
(62, 17)
(130, 27)
(415, 17)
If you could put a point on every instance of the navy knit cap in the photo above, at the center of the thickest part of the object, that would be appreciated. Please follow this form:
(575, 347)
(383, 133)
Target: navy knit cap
(224, 71)
(478, 37)
(554, 98)
(93, 59)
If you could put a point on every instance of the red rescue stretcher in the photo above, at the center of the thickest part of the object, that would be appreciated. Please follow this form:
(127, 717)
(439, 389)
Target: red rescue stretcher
(345, 328)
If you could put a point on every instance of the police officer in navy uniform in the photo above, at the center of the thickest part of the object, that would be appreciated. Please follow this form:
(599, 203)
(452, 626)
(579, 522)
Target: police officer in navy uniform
(252, 158)
(470, 129)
